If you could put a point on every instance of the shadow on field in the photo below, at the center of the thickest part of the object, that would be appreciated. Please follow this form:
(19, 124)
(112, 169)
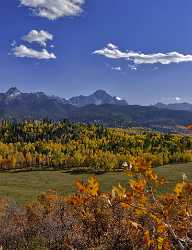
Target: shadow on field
(15, 171)
(85, 171)
(64, 171)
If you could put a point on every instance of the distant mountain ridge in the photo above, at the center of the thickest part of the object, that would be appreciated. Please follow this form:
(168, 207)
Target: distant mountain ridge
(97, 98)
(97, 107)
(175, 106)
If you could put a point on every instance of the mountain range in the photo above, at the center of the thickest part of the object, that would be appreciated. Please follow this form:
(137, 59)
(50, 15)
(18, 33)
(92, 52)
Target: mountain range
(97, 107)
(97, 98)
(175, 106)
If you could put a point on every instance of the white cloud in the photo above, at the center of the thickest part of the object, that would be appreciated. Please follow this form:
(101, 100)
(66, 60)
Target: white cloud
(111, 46)
(40, 37)
(53, 9)
(118, 98)
(178, 99)
(173, 99)
(140, 58)
(132, 67)
(117, 68)
(23, 51)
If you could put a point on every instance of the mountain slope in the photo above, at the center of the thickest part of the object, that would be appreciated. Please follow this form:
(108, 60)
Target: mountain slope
(131, 114)
(17, 105)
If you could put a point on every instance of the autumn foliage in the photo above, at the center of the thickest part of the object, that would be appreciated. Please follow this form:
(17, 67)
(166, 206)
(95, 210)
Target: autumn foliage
(134, 216)
(130, 217)
(46, 144)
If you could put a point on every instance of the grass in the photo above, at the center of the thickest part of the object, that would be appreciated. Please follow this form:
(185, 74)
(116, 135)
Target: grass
(174, 173)
(26, 186)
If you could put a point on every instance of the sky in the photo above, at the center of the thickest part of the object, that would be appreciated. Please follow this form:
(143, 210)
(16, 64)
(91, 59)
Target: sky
(138, 50)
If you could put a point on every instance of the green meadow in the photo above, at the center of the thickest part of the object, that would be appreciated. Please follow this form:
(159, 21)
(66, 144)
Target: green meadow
(26, 186)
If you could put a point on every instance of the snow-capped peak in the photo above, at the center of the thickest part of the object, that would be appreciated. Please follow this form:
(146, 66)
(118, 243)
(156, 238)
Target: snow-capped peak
(118, 98)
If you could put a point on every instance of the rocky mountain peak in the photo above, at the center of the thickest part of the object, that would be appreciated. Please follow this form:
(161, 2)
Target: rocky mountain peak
(13, 92)
(101, 93)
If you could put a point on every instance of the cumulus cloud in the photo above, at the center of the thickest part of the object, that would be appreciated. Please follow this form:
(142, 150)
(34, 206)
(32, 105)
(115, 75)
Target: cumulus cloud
(54, 9)
(113, 52)
(23, 51)
(111, 46)
(117, 68)
(40, 37)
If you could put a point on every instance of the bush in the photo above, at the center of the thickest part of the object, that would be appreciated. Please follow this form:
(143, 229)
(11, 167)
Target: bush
(132, 217)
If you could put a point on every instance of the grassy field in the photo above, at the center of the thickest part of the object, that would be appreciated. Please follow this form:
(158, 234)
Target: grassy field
(25, 186)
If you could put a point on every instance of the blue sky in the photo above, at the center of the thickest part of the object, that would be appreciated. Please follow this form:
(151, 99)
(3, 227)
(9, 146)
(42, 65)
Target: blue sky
(146, 27)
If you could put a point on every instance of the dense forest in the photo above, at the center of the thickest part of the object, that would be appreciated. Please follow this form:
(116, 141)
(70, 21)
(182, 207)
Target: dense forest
(65, 145)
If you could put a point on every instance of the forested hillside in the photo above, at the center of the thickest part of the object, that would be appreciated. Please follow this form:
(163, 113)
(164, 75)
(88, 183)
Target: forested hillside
(65, 145)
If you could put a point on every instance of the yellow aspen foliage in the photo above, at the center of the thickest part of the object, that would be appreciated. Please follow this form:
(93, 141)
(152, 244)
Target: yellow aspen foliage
(1, 160)
(179, 188)
(147, 239)
(13, 161)
(160, 242)
(81, 187)
(91, 187)
(119, 191)
(138, 185)
(29, 158)
(161, 228)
